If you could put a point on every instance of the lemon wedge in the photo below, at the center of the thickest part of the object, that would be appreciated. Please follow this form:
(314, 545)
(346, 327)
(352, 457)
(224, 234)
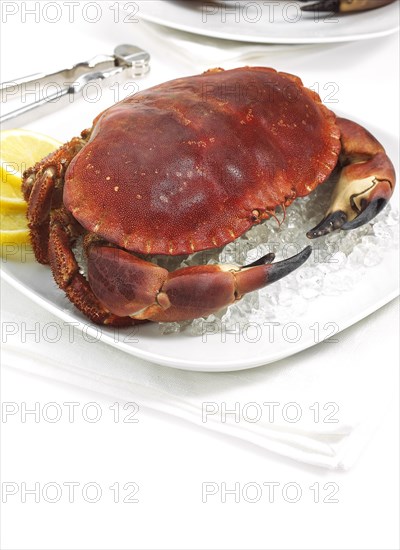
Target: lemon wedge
(13, 228)
(10, 191)
(19, 149)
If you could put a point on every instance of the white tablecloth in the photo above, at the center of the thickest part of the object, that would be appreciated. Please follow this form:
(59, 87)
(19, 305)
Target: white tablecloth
(356, 379)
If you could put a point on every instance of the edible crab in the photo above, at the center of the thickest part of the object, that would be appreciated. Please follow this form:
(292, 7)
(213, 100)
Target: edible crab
(190, 165)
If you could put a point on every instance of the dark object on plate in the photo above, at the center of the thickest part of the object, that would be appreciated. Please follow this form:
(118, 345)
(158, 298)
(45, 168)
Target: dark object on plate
(187, 166)
(345, 6)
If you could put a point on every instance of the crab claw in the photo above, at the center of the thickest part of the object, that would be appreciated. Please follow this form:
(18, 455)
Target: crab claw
(267, 259)
(254, 278)
(365, 185)
(322, 5)
(345, 6)
(129, 286)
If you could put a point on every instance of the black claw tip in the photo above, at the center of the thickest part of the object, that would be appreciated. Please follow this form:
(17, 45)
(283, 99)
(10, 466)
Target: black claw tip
(333, 221)
(267, 259)
(283, 268)
(372, 209)
(323, 5)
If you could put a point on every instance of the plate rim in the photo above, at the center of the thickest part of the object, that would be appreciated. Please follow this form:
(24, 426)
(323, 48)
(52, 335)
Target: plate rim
(178, 363)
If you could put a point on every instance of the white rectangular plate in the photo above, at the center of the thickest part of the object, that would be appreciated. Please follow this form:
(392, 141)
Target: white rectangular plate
(253, 345)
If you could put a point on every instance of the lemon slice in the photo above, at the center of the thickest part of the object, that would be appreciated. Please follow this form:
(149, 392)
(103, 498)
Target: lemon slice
(13, 228)
(10, 191)
(19, 149)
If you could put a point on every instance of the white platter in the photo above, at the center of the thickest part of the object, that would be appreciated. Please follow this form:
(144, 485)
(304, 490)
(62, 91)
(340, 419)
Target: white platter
(268, 22)
(252, 345)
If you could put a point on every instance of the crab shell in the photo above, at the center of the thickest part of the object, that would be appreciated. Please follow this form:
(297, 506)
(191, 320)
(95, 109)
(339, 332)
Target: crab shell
(192, 164)
(189, 165)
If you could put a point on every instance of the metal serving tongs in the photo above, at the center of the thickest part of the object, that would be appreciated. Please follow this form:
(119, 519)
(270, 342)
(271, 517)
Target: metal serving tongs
(68, 83)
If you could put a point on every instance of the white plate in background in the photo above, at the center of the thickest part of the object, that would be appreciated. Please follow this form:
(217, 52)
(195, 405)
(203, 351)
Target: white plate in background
(265, 21)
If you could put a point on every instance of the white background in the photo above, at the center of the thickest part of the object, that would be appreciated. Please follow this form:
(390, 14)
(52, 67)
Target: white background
(170, 459)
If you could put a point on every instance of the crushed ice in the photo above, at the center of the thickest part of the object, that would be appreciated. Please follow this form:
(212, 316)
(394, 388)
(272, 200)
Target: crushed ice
(336, 265)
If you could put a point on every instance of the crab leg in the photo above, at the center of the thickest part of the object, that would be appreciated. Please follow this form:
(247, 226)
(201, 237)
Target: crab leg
(42, 190)
(127, 285)
(365, 185)
(66, 274)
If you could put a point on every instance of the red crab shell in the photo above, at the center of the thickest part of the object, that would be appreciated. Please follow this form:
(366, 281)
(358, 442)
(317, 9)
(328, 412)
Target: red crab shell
(193, 163)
